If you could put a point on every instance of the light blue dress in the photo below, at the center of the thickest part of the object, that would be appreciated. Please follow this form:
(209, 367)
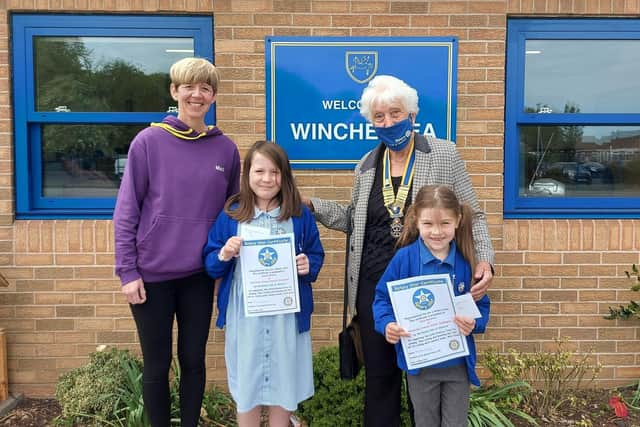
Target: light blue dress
(268, 361)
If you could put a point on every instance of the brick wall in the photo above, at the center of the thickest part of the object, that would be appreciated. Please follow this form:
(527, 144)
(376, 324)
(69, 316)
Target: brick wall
(554, 277)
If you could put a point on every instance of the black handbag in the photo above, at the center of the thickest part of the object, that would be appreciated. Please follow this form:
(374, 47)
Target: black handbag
(349, 363)
(349, 340)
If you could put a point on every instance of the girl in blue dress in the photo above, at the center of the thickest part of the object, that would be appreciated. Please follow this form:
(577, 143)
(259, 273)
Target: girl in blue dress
(437, 239)
(268, 357)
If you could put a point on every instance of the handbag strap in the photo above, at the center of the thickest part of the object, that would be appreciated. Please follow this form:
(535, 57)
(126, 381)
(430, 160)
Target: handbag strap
(345, 304)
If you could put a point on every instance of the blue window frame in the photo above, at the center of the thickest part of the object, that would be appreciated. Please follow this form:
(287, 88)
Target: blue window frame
(83, 86)
(572, 122)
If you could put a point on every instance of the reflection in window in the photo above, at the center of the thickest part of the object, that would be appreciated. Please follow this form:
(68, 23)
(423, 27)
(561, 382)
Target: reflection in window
(572, 118)
(580, 161)
(84, 160)
(558, 71)
(116, 74)
(84, 85)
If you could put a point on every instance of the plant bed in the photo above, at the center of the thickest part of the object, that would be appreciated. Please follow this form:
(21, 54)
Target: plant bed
(591, 409)
(339, 403)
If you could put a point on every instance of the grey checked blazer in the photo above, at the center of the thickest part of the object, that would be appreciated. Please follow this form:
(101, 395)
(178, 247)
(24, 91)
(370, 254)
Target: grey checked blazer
(437, 162)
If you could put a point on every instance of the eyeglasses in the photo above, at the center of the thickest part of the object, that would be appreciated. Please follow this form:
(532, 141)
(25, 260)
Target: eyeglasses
(394, 115)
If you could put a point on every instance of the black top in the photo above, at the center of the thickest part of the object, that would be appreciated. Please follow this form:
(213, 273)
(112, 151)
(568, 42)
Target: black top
(378, 249)
(378, 246)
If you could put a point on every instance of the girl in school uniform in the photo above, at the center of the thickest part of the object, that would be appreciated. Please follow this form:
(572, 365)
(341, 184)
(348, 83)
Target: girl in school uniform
(268, 357)
(437, 239)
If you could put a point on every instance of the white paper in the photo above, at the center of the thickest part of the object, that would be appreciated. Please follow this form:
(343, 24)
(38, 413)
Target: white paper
(424, 307)
(253, 232)
(269, 275)
(466, 306)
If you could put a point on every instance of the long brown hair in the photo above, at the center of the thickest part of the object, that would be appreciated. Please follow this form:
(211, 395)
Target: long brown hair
(289, 197)
(440, 197)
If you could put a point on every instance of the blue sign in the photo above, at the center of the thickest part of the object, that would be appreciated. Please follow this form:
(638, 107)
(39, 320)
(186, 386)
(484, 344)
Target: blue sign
(314, 86)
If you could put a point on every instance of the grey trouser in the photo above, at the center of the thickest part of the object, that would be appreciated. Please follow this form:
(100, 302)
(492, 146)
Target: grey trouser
(440, 396)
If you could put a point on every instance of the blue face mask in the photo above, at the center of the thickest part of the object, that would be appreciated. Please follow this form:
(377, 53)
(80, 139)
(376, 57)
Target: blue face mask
(396, 137)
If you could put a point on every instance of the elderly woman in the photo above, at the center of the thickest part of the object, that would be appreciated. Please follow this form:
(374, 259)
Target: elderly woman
(386, 181)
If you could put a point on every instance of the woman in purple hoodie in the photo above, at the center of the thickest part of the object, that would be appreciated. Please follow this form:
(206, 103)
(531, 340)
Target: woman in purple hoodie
(179, 174)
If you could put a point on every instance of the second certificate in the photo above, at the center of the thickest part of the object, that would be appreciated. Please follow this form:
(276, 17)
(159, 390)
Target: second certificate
(424, 307)
(269, 276)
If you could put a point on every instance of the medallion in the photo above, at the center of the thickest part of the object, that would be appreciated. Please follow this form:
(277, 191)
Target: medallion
(395, 202)
(396, 228)
(396, 223)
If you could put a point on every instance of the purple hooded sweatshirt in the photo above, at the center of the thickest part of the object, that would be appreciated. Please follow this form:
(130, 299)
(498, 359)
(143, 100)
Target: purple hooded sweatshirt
(172, 191)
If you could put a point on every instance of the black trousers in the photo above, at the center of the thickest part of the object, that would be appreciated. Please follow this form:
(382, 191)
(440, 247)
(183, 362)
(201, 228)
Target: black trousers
(190, 301)
(383, 378)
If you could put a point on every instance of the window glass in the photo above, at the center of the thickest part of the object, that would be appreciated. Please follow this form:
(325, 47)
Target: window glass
(580, 161)
(83, 86)
(582, 76)
(106, 74)
(84, 160)
(572, 118)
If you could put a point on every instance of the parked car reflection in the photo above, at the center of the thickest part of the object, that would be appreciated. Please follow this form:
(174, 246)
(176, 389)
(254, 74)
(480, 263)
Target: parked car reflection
(596, 169)
(570, 172)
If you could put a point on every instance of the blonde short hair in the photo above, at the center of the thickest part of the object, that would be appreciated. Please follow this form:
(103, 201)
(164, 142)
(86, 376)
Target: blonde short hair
(194, 70)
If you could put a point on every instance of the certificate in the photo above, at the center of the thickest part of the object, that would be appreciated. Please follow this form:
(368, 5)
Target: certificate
(424, 307)
(269, 275)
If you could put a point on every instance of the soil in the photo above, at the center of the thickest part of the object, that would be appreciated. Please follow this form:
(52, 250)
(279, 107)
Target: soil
(590, 409)
(31, 413)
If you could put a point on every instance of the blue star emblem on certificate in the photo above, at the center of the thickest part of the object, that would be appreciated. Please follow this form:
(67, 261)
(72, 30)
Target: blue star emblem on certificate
(423, 299)
(267, 256)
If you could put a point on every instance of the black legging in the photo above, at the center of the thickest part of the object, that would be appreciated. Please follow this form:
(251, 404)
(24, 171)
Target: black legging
(190, 299)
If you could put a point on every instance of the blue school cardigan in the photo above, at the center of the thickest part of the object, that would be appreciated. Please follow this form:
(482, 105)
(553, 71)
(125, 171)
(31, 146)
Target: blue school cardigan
(307, 241)
(406, 263)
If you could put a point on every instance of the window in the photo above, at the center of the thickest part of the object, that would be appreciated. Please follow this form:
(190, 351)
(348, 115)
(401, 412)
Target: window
(83, 87)
(572, 129)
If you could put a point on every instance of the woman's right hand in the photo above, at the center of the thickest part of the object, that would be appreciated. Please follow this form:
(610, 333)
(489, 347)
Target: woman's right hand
(231, 249)
(134, 291)
(393, 332)
(307, 202)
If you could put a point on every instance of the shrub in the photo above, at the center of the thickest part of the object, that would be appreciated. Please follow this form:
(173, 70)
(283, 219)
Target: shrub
(91, 391)
(107, 391)
(219, 408)
(336, 402)
(551, 374)
(340, 403)
(631, 310)
(625, 312)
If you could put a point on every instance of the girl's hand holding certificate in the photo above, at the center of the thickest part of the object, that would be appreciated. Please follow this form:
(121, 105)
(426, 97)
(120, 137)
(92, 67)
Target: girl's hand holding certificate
(302, 264)
(465, 324)
(231, 249)
(393, 332)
